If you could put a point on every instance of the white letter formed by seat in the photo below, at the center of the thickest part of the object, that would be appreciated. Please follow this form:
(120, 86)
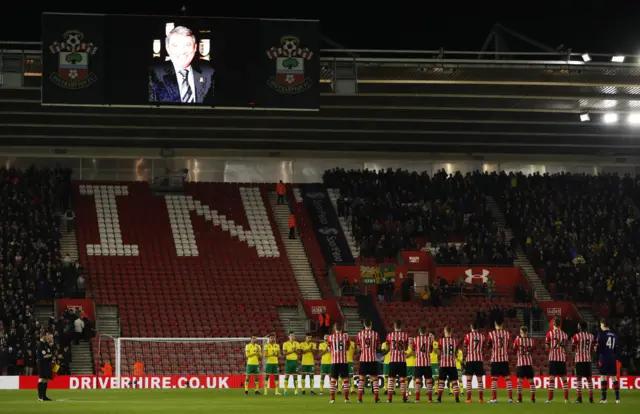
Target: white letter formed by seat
(108, 221)
(259, 235)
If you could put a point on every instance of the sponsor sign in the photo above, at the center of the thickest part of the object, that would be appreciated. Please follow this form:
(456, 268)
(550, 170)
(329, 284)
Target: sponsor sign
(323, 217)
(92, 382)
(478, 275)
(237, 382)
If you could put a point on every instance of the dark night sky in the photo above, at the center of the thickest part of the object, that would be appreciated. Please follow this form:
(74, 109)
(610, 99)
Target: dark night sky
(606, 26)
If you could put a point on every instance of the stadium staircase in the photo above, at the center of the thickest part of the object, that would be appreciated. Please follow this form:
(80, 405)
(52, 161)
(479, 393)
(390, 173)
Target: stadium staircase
(367, 308)
(308, 238)
(352, 320)
(541, 292)
(292, 321)
(42, 314)
(69, 245)
(295, 251)
(334, 194)
(81, 358)
(107, 320)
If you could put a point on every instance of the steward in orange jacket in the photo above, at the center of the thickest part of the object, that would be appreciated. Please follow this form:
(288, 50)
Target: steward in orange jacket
(281, 191)
(292, 226)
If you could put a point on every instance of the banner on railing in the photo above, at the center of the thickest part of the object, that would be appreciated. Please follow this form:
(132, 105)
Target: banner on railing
(313, 308)
(327, 227)
(237, 381)
(84, 305)
(478, 275)
(370, 275)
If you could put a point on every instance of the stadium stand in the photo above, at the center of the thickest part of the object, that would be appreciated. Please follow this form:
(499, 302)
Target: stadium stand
(395, 210)
(308, 238)
(581, 232)
(171, 281)
(458, 312)
(31, 268)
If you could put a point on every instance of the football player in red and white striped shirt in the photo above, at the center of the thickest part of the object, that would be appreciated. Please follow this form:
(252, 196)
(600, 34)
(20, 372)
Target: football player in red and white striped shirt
(339, 343)
(499, 342)
(368, 343)
(557, 341)
(448, 348)
(474, 343)
(423, 345)
(524, 346)
(583, 344)
(398, 342)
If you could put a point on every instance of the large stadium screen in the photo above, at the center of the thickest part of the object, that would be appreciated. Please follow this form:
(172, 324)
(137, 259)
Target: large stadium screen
(187, 62)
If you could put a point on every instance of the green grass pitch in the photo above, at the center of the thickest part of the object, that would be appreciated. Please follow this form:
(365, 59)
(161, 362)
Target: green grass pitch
(234, 401)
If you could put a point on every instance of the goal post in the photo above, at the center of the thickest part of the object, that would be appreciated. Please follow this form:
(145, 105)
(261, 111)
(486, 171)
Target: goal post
(183, 357)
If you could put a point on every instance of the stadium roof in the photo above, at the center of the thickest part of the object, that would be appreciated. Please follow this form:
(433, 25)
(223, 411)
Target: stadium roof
(405, 101)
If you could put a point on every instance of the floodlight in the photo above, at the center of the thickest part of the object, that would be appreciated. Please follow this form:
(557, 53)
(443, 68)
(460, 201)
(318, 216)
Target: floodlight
(618, 59)
(586, 57)
(585, 117)
(610, 118)
(634, 118)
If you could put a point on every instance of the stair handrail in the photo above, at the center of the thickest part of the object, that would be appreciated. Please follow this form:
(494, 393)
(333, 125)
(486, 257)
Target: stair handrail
(302, 314)
(333, 282)
(344, 320)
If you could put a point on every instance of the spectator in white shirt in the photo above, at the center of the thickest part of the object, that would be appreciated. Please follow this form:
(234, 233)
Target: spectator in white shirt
(78, 327)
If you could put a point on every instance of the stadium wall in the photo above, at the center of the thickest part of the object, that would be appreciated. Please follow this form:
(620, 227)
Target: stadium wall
(228, 382)
(130, 166)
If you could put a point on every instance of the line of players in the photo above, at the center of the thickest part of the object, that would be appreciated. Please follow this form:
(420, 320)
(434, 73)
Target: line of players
(398, 345)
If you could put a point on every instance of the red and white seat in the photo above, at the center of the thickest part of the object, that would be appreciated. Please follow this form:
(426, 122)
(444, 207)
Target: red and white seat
(206, 263)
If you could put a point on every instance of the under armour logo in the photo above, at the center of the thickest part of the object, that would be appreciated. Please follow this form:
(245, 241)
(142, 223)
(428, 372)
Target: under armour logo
(470, 276)
(328, 231)
(315, 196)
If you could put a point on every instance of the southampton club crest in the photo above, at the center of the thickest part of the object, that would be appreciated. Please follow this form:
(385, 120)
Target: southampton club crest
(73, 53)
(289, 58)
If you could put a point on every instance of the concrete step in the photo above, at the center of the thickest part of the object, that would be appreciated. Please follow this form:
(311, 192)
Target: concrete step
(291, 321)
(295, 251)
(82, 359)
(521, 259)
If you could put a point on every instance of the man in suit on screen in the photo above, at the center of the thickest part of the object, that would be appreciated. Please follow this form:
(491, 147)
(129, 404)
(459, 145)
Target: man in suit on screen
(182, 79)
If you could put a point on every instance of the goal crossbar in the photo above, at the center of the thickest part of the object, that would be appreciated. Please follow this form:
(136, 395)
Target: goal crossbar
(169, 340)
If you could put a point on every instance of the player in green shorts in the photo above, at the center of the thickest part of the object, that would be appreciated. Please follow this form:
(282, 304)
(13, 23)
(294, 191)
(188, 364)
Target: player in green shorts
(435, 367)
(308, 351)
(253, 352)
(271, 352)
(410, 355)
(325, 362)
(385, 365)
(291, 352)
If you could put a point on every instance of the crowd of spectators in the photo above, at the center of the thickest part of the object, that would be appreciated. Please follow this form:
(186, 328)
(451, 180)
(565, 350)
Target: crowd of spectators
(582, 233)
(393, 210)
(31, 268)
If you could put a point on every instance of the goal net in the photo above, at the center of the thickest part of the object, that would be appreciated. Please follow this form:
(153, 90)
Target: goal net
(183, 359)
